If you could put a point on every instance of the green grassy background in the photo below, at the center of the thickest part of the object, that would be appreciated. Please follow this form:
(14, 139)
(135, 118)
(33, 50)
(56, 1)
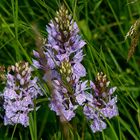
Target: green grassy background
(103, 24)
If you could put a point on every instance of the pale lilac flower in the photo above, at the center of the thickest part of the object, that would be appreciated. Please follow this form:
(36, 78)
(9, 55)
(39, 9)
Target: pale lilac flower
(61, 102)
(63, 43)
(79, 70)
(110, 110)
(19, 93)
(97, 125)
(68, 93)
(101, 104)
(62, 55)
(81, 98)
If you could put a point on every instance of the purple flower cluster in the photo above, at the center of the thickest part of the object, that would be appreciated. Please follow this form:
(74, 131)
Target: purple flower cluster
(100, 104)
(60, 58)
(19, 93)
(63, 43)
(63, 54)
(65, 92)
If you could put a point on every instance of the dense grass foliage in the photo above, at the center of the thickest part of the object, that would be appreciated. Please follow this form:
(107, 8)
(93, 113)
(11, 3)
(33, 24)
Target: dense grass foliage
(103, 25)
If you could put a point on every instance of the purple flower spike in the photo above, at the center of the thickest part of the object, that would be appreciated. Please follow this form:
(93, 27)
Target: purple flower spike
(62, 56)
(63, 43)
(19, 94)
(102, 104)
(68, 93)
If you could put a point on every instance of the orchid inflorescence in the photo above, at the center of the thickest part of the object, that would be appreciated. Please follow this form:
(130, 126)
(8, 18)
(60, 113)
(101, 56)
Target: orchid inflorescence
(62, 55)
(19, 93)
